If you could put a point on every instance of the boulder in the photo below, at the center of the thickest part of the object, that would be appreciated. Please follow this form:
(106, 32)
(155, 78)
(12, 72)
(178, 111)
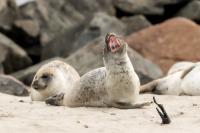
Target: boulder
(191, 10)
(75, 38)
(90, 57)
(8, 13)
(52, 16)
(145, 7)
(88, 7)
(135, 23)
(12, 86)
(12, 57)
(174, 40)
(38, 22)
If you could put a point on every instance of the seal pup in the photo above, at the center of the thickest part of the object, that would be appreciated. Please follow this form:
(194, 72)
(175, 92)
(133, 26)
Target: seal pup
(182, 79)
(52, 78)
(115, 85)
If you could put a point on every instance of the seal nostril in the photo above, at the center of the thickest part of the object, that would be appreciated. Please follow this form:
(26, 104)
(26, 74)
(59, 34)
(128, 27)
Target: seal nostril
(35, 84)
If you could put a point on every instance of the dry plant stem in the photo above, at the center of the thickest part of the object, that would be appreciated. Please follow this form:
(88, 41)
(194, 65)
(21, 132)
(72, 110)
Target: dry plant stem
(163, 114)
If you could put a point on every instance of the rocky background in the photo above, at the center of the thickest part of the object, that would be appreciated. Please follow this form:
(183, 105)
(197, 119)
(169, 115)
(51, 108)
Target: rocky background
(33, 32)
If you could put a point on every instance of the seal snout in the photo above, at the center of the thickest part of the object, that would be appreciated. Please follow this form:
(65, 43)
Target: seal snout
(39, 85)
(35, 85)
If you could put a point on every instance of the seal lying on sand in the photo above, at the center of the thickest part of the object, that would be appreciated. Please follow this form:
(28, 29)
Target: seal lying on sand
(115, 85)
(53, 78)
(182, 79)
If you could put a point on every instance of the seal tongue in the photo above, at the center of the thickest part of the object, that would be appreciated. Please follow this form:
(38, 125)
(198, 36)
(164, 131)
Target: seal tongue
(113, 44)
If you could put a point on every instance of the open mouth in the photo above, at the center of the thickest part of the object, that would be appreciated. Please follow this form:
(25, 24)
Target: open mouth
(112, 42)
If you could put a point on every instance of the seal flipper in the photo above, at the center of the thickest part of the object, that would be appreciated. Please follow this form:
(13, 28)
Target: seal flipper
(149, 87)
(121, 105)
(56, 100)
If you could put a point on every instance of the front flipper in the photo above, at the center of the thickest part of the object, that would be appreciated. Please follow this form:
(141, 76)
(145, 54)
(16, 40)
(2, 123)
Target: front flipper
(56, 100)
(122, 105)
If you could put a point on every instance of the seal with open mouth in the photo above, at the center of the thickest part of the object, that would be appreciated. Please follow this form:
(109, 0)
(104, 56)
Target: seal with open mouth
(115, 85)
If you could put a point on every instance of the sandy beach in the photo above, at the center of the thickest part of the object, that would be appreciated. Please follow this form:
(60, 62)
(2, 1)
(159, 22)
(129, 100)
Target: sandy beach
(20, 115)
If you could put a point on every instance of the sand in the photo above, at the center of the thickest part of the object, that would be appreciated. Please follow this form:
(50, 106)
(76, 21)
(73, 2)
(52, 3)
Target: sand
(20, 115)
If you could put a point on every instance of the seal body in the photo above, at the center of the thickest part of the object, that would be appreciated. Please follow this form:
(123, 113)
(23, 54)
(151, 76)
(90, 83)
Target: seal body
(182, 79)
(115, 85)
(180, 66)
(53, 78)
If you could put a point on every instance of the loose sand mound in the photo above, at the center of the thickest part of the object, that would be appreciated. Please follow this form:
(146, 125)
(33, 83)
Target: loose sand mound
(20, 115)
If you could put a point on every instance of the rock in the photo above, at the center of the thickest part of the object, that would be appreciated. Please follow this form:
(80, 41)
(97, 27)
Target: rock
(174, 40)
(145, 7)
(26, 75)
(12, 57)
(191, 11)
(135, 23)
(23, 2)
(38, 22)
(29, 26)
(1, 69)
(88, 7)
(73, 39)
(52, 16)
(10, 85)
(8, 13)
(90, 57)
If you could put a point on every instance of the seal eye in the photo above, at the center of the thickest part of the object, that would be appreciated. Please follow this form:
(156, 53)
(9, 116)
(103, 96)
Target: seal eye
(45, 76)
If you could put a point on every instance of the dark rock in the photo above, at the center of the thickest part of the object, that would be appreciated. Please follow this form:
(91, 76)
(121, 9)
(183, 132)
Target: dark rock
(52, 16)
(191, 11)
(90, 57)
(1, 69)
(10, 85)
(39, 22)
(135, 23)
(31, 27)
(88, 7)
(145, 7)
(174, 40)
(76, 37)
(26, 75)
(12, 57)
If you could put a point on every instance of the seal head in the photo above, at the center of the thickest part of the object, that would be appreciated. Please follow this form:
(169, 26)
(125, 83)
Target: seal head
(41, 82)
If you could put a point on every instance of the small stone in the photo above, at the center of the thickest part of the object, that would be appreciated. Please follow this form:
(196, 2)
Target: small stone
(194, 104)
(21, 101)
(86, 126)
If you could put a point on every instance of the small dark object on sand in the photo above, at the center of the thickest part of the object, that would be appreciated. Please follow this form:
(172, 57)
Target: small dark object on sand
(163, 114)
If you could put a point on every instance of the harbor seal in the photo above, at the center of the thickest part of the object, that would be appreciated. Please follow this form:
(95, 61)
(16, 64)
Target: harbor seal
(115, 85)
(182, 79)
(52, 78)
